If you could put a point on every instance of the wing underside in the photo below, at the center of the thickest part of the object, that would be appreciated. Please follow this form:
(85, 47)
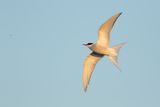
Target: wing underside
(89, 65)
(105, 29)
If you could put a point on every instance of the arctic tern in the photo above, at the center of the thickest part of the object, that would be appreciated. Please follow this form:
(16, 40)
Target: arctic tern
(101, 48)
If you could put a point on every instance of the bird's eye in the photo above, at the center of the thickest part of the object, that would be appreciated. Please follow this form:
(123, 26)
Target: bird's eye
(90, 43)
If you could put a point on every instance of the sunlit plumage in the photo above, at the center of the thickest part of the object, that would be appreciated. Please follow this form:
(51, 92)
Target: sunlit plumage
(100, 49)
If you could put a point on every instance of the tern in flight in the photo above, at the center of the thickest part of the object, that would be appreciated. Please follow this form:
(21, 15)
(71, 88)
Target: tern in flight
(101, 48)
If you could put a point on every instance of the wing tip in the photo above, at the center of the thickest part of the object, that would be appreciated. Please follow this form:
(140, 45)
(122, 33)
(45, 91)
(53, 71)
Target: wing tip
(85, 86)
(119, 13)
(85, 89)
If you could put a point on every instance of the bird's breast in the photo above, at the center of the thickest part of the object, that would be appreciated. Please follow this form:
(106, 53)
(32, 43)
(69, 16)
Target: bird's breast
(100, 50)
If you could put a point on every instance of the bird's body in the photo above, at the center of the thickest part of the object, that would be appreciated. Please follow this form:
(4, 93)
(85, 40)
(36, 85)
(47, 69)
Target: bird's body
(101, 48)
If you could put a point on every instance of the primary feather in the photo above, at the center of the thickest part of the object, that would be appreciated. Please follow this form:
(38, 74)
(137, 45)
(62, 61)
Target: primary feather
(105, 29)
(89, 65)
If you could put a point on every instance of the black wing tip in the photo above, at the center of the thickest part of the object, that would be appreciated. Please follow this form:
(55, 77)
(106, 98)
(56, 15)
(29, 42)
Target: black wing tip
(85, 89)
(120, 13)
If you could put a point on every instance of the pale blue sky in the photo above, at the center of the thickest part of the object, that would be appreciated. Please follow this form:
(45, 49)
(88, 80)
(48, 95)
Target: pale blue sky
(41, 53)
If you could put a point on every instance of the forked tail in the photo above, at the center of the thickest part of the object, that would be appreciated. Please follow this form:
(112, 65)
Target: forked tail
(114, 58)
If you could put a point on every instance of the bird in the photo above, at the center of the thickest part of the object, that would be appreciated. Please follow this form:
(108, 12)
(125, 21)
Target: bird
(100, 49)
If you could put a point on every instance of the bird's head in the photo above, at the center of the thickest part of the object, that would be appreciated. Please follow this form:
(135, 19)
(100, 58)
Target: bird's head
(88, 45)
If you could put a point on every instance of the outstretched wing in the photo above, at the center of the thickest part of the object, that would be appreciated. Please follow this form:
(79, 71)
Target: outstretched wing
(105, 29)
(89, 66)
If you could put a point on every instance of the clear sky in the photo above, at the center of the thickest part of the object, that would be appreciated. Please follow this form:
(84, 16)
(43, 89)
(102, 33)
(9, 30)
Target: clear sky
(41, 53)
